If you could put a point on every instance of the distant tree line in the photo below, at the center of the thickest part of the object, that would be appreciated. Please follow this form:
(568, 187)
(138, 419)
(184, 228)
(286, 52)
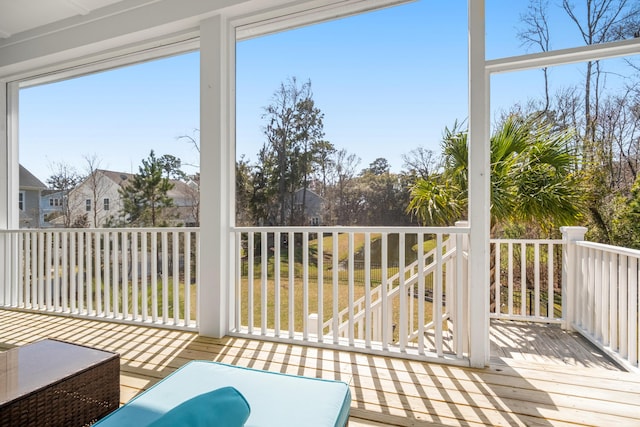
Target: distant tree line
(296, 159)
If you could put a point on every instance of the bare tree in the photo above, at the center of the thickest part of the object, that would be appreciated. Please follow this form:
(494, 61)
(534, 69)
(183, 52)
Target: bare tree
(421, 162)
(536, 33)
(64, 178)
(97, 188)
(345, 167)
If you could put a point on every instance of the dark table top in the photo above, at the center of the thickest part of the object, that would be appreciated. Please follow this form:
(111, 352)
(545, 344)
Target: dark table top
(31, 367)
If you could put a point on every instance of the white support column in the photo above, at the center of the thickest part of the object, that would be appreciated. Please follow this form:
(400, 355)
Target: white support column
(217, 169)
(479, 187)
(9, 155)
(570, 264)
(9, 177)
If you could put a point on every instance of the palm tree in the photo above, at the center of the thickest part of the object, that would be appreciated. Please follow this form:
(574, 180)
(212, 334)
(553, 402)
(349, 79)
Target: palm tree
(533, 178)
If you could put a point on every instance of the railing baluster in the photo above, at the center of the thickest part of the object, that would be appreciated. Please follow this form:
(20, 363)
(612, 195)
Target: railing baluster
(334, 257)
(27, 271)
(48, 279)
(291, 287)
(367, 289)
(320, 264)
(387, 333)
(126, 289)
(613, 302)
(421, 293)
(523, 278)
(18, 257)
(623, 314)
(33, 271)
(458, 319)
(603, 300)
(198, 277)
(536, 278)
(65, 271)
(276, 283)
(350, 292)
(632, 332)
(145, 276)
(264, 263)
(403, 292)
(305, 285)
(510, 278)
(187, 275)
(238, 287)
(153, 279)
(594, 269)
(115, 281)
(165, 276)
(250, 262)
(437, 296)
(175, 242)
(135, 270)
(551, 313)
(498, 294)
(89, 282)
(106, 260)
(80, 283)
(97, 267)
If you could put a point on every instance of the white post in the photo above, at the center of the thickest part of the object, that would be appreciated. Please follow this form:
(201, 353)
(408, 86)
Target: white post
(9, 178)
(570, 264)
(217, 160)
(479, 188)
(312, 322)
(461, 309)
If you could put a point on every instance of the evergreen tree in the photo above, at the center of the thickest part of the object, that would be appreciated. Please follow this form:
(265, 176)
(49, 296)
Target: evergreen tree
(146, 197)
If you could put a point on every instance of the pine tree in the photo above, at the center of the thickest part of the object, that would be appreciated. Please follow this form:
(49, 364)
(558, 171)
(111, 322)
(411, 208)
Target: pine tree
(146, 197)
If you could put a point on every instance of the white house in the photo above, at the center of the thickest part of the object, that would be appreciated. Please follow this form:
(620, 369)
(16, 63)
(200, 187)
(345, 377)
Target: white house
(96, 200)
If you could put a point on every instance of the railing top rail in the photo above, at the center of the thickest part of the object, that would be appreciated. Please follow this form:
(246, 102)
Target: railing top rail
(99, 230)
(519, 241)
(358, 229)
(609, 248)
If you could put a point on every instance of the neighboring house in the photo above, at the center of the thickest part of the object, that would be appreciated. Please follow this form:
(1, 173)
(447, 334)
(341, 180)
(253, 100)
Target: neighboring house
(30, 189)
(97, 199)
(314, 205)
(186, 201)
(51, 208)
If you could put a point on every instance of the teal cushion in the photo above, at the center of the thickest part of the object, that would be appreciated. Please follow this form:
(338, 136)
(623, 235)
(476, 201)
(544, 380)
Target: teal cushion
(222, 407)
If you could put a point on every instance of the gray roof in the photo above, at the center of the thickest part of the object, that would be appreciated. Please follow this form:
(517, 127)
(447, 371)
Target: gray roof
(28, 181)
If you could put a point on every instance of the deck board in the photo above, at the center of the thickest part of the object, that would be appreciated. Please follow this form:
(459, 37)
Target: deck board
(543, 384)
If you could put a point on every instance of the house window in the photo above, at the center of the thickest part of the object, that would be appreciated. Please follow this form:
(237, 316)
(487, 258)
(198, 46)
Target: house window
(88, 203)
(106, 204)
(50, 202)
(21, 200)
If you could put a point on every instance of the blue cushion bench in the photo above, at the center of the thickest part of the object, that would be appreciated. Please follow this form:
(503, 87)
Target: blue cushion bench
(273, 399)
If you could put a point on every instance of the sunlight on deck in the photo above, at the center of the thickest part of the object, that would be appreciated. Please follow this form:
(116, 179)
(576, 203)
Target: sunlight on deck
(557, 389)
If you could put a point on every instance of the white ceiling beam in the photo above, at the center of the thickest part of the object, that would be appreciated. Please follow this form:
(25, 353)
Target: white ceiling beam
(298, 15)
(78, 7)
(4, 34)
(565, 56)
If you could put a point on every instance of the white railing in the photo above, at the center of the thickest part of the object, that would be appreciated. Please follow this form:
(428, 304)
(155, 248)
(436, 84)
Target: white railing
(605, 299)
(372, 287)
(527, 279)
(136, 275)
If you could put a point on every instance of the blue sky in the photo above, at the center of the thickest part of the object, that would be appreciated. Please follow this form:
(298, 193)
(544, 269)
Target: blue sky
(387, 82)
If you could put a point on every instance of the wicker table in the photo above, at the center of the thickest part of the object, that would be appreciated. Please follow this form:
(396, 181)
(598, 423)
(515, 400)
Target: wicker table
(54, 383)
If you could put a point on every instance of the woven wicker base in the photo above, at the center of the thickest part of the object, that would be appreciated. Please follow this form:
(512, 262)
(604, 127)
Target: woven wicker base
(80, 399)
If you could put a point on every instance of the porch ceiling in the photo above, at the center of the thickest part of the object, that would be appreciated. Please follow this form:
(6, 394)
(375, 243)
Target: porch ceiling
(24, 15)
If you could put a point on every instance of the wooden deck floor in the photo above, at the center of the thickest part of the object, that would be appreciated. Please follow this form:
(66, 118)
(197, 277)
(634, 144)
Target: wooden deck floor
(530, 388)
